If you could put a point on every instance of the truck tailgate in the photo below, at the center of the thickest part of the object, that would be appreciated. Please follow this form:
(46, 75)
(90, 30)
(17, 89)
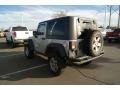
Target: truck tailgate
(112, 34)
(22, 34)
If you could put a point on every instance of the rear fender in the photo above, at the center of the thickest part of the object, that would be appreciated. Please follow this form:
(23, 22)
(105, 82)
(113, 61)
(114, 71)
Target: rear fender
(55, 47)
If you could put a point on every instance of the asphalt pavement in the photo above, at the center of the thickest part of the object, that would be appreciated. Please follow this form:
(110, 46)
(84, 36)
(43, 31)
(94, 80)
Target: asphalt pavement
(16, 69)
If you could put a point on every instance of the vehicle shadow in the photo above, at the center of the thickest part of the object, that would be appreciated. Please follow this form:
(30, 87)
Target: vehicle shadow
(95, 64)
(20, 63)
(112, 44)
(107, 60)
(4, 54)
(4, 45)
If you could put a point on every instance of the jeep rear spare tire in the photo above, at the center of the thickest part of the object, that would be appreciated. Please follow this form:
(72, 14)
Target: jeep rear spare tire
(93, 42)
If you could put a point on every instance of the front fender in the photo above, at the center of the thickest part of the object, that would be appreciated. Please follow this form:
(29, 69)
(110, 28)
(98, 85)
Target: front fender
(29, 43)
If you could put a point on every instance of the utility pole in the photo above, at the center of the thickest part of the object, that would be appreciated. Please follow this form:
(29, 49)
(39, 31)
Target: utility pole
(22, 19)
(105, 17)
(110, 17)
(119, 17)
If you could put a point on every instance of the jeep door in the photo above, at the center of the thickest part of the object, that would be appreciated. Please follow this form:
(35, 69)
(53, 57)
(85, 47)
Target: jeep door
(41, 38)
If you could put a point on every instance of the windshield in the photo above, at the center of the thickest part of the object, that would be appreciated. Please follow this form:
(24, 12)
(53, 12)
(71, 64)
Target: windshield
(19, 29)
(117, 30)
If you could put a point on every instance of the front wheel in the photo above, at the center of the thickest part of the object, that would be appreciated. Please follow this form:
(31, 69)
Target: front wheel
(55, 64)
(28, 52)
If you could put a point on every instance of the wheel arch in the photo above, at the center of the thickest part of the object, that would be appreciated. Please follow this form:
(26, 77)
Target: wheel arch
(56, 47)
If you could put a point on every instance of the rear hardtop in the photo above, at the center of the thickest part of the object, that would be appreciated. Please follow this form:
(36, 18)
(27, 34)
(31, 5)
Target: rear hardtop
(71, 29)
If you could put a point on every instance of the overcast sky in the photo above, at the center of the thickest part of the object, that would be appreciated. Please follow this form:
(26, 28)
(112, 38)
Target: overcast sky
(31, 15)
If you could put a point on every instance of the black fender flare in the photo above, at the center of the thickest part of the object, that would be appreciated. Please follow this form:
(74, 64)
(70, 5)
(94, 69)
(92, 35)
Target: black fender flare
(56, 47)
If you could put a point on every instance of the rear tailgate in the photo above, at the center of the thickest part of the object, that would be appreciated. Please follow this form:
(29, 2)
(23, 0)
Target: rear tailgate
(22, 34)
(112, 34)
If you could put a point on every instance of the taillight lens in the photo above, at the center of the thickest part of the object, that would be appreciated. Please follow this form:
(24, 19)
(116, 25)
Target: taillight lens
(107, 34)
(72, 45)
(14, 34)
(119, 34)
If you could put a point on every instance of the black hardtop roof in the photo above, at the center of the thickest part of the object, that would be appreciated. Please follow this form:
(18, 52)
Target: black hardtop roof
(64, 18)
(56, 19)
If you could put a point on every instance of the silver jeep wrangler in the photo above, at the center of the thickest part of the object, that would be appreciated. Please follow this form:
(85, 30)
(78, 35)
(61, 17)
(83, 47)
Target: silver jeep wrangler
(65, 40)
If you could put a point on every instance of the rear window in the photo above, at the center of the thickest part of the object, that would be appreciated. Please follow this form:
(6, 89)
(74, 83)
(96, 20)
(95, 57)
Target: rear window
(19, 29)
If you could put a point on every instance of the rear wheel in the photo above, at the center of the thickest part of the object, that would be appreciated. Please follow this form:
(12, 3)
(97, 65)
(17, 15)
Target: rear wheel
(55, 64)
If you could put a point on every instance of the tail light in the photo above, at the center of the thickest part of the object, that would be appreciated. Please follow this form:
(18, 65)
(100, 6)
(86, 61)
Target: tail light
(72, 45)
(107, 34)
(14, 34)
(119, 34)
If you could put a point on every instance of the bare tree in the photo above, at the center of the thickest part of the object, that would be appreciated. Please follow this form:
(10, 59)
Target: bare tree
(59, 14)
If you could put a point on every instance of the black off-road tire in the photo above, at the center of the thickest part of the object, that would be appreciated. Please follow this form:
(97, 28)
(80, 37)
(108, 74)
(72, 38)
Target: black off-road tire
(93, 42)
(28, 52)
(109, 40)
(12, 44)
(55, 62)
(7, 42)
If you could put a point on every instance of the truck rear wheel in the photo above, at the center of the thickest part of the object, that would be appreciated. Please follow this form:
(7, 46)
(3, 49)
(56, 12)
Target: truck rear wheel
(7, 42)
(93, 42)
(12, 44)
(109, 40)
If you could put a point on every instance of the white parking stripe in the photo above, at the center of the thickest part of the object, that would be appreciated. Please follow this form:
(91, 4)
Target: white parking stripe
(10, 55)
(5, 75)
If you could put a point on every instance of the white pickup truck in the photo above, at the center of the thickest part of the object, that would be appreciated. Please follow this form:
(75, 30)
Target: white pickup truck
(17, 34)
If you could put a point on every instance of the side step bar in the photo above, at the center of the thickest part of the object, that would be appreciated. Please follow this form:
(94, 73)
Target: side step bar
(87, 60)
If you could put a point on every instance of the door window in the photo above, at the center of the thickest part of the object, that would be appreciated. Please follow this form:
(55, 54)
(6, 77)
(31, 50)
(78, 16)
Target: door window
(57, 28)
(41, 28)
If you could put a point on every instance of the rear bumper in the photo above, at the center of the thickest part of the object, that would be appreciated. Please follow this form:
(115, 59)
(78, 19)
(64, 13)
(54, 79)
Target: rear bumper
(19, 40)
(85, 59)
(113, 38)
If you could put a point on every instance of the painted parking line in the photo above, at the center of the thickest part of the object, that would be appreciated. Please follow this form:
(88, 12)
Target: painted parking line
(7, 75)
(11, 55)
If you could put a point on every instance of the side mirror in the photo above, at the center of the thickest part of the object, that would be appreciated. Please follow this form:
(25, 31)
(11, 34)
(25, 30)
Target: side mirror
(35, 33)
(6, 31)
